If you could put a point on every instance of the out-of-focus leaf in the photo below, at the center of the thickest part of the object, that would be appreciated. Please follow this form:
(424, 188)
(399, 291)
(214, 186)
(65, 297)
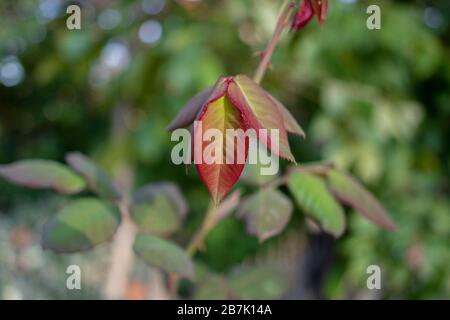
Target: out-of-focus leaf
(97, 179)
(312, 195)
(163, 254)
(81, 225)
(353, 194)
(220, 167)
(43, 174)
(213, 287)
(148, 193)
(190, 111)
(260, 112)
(158, 217)
(263, 282)
(266, 213)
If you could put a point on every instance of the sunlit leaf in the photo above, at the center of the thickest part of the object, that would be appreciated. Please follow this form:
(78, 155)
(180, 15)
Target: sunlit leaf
(263, 282)
(260, 112)
(224, 166)
(97, 179)
(266, 213)
(43, 174)
(312, 195)
(163, 254)
(353, 194)
(81, 225)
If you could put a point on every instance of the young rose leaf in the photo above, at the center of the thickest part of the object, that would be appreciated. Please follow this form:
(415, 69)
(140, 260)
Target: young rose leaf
(289, 121)
(97, 179)
(81, 225)
(260, 112)
(43, 174)
(320, 8)
(163, 254)
(223, 156)
(353, 194)
(190, 111)
(262, 282)
(312, 195)
(266, 213)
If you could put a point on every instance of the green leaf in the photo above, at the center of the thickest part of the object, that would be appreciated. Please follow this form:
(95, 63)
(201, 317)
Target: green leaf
(353, 194)
(43, 174)
(147, 194)
(81, 225)
(156, 217)
(263, 282)
(159, 208)
(266, 213)
(312, 195)
(163, 254)
(97, 179)
(214, 287)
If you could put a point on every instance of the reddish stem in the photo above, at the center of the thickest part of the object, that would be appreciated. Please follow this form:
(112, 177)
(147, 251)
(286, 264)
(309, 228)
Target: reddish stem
(282, 23)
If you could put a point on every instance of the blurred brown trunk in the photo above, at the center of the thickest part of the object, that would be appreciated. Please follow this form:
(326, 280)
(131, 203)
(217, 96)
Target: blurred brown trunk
(122, 255)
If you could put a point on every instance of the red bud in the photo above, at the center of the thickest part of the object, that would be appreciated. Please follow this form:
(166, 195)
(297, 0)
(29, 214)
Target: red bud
(307, 10)
(303, 16)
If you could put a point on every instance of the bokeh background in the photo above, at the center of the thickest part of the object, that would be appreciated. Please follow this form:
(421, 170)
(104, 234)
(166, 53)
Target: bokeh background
(377, 103)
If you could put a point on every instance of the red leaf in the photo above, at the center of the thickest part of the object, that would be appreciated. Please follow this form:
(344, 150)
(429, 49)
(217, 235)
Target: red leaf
(320, 8)
(260, 112)
(222, 170)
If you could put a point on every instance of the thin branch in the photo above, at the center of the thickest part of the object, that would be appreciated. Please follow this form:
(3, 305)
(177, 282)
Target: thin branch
(282, 23)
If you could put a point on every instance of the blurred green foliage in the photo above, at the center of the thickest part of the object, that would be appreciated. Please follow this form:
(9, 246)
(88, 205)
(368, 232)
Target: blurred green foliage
(377, 103)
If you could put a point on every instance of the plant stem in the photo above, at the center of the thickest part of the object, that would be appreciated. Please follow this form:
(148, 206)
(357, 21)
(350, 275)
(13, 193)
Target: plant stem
(214, 215)
(197, 239)
(121, 257)
(282, 23)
